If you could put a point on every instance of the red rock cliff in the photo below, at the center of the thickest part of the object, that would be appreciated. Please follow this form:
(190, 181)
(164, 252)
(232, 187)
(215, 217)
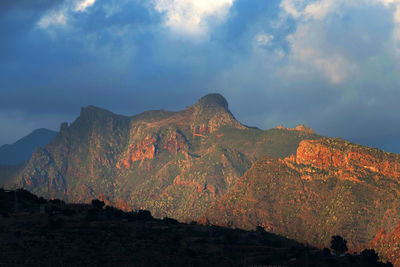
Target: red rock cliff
(335, 153)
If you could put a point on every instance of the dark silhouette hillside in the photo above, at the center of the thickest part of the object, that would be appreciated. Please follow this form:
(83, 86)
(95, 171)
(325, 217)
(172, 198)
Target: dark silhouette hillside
(39, 232)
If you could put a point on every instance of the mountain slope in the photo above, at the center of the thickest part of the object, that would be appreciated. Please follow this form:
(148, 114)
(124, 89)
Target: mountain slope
(328, 187)
(88, 235)
(174, 164)
(22, 150)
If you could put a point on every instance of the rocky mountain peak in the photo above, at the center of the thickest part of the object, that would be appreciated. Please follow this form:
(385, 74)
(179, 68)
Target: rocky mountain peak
(212, 100)
(91, 111)
(210, 113)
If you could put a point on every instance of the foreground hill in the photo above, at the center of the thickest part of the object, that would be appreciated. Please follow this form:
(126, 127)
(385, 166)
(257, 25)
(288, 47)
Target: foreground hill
(328, 187)
(22, 150)
(174, 164)
(37, 232)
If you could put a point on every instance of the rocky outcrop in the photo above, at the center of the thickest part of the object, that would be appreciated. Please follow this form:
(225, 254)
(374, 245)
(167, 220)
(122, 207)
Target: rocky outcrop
(299, 128)
(337, 154)
(145, 149)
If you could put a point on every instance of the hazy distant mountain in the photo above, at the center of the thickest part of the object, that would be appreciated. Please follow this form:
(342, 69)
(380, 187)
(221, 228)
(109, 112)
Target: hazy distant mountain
(202, 163)
(22, 150)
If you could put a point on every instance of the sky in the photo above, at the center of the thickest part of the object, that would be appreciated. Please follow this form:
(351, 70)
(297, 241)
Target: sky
(333, 65)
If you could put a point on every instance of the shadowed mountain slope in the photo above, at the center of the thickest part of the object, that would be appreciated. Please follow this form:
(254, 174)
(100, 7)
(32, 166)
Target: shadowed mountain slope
(22, 150)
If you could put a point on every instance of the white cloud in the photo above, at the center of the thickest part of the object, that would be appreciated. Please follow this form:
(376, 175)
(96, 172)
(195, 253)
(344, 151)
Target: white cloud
(310, 50)
(319, 10)
(292, 8)
(264, 39)
(192, 16)
(395, 6)
(57, 18)
(60, 16)
(84, 4)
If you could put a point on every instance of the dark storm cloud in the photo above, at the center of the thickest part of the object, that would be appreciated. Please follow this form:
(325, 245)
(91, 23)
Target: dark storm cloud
(341, 78)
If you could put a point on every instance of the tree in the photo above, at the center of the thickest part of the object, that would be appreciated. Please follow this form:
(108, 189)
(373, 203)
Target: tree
(98, 203)
(369, 255)
(338, 245)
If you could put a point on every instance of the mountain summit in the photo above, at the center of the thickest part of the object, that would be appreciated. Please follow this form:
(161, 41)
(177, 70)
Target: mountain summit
(201, 163)
(213, 100)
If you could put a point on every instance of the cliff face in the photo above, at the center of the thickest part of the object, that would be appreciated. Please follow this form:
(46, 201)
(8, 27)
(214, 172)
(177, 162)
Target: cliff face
(328, 154)
(327, 187)
(174, 164)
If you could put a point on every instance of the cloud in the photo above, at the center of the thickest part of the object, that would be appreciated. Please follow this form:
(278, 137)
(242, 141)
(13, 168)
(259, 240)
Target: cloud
(311, 47)
(54, 18)
(84, 4)
(59, 17)
(192, 17)
(321, 63)
(264, 39)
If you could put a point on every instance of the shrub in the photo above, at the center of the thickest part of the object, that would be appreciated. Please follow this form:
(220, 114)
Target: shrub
(56, 201)
(338, 245)
(144, 215)
(98, 204)
(112, 212)
(170, 220)
(326, 252)
(68, 212)
(260, 229)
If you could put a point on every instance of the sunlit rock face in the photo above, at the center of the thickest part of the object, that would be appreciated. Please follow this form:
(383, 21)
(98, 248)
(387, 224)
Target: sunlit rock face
(344, 156)
(328, 187)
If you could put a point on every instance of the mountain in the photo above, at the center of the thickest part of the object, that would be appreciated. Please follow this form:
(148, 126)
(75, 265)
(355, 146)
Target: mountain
(174, 164)
(22, 150)
(328, 187)
(200, 163)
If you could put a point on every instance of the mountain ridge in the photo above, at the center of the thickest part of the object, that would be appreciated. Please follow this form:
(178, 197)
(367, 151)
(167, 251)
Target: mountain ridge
(201, 163)
(128, 158)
